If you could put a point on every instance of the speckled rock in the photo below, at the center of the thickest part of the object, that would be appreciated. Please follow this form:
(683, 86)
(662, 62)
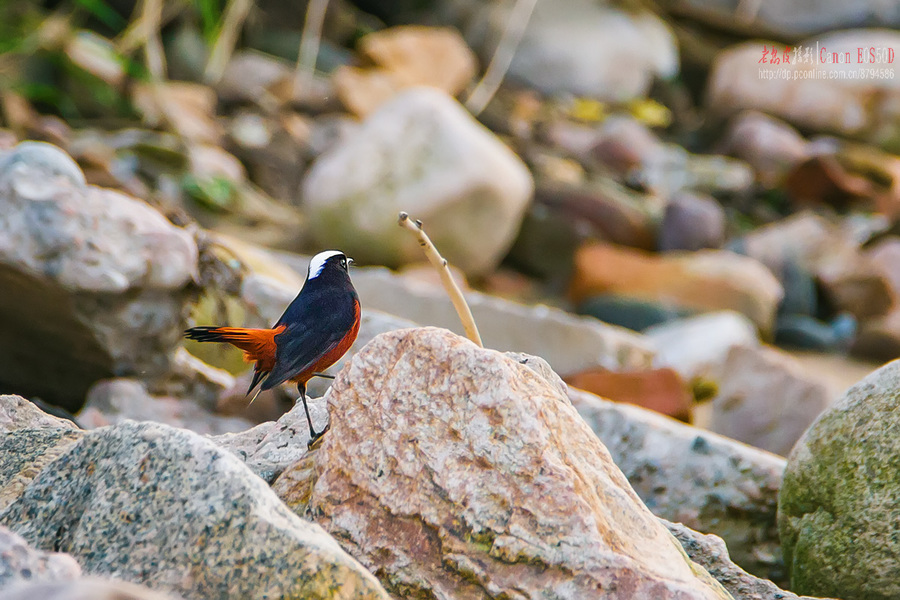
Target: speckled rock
(708, 482)
(271, 447)
(18, 413)
(710, 552)
(420, 152)
(24, 453)
(95, 281)
(111, 401)
(21, 563)
(87, 588)
(765, 399)
(837, 512)
(151, 504)
(455, 472)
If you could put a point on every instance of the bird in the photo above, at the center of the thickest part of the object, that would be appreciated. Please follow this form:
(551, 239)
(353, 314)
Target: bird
(315, 331)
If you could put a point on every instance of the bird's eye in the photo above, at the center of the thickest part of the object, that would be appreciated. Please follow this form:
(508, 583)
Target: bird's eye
(344, 263)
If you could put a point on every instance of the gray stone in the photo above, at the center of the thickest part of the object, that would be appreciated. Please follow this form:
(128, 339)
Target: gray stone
(768, 145)
(21, 563)
(580, 47)
(167, 508)
(271, 447)
(684, 474)
(95, 281)
(111, 401)
(691, 222)
(709, 552)
(837, 512)
(455, 472)
(24, 453)
(18, 413)
(420, 152)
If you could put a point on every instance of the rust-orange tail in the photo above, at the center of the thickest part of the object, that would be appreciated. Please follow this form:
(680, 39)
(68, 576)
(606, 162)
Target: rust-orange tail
(258, 345)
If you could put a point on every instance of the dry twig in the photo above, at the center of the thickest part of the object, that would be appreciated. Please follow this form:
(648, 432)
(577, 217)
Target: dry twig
(151, 15)
(503, 55)
(309, 45)
(440, 263)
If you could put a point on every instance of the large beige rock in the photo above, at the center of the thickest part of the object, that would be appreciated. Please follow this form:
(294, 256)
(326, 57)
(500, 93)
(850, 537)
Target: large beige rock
(94, 282)
(18, 413)
(421, 152)
(457, 472)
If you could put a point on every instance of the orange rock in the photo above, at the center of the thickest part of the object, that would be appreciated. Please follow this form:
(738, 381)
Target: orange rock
(661, 390)
(706, 280)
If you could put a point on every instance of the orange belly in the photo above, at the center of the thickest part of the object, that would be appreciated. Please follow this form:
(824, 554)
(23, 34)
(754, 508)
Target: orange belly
(334, 355)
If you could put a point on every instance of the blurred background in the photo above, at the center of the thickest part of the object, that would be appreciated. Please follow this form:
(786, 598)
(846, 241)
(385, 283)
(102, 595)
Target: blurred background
(713, 183)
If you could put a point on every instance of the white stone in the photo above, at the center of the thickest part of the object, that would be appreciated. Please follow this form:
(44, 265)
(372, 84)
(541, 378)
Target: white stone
(422, 153)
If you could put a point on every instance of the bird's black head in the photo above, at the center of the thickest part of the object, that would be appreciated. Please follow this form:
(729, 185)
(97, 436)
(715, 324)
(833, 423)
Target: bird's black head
(331, 265)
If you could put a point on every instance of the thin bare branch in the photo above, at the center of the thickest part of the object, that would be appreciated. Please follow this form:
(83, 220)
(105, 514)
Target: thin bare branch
(309, 45)
(440, 263)
(503, 55)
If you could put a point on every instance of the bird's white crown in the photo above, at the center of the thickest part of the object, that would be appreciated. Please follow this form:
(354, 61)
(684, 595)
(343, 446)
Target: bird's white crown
(318, 262)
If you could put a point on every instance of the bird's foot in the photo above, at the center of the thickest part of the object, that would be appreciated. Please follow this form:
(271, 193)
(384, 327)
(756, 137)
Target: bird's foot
(315, 437)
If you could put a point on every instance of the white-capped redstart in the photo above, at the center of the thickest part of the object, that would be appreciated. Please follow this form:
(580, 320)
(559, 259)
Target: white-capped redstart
(315, 331)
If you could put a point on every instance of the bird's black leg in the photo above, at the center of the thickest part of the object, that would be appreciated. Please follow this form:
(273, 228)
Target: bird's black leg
(323, 375)
(313, 436)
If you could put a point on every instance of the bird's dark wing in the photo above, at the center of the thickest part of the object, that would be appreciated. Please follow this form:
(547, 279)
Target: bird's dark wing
(318, 328)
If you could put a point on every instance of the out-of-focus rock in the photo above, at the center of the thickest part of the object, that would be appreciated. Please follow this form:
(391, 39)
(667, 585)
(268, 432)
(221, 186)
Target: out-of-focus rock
(692, 222)
(21, 563)
(706, 481)
(444, 495)
(809, 333)
(631, 313)
(18, 413)
(879, 339)
(96, 282)
(672, 169)
(706, 280)
(88, 588)
(765, 399)
(662, 390)
(768, 145)
(422, 153)
(580, 47)
(567, 342)
(405, 56)
(185, 108)
(111, 401)
(843, 102)
(710, 552)
(139, 494)
(698, 346)
(788, 20)
(836, 510)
